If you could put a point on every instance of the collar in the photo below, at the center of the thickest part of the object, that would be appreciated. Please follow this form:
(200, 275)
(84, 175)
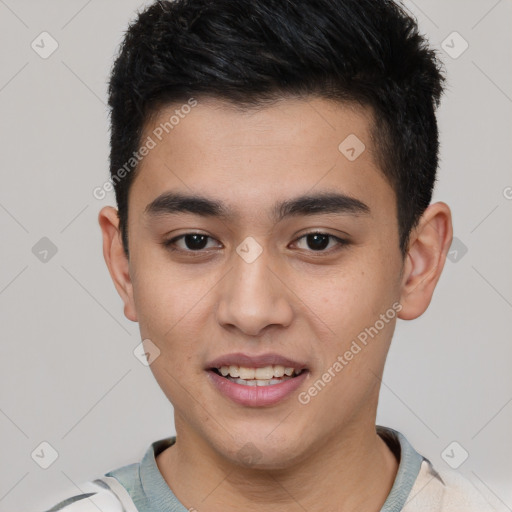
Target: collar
(161, 497)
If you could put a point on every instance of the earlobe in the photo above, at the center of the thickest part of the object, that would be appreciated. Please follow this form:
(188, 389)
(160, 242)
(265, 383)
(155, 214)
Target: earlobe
(116, 259)
(428, 247)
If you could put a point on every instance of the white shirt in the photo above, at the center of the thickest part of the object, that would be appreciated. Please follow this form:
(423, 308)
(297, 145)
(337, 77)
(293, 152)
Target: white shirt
(418, 487)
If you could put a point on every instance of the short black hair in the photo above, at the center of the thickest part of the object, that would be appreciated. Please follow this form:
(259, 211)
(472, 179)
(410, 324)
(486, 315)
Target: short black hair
(253, 52)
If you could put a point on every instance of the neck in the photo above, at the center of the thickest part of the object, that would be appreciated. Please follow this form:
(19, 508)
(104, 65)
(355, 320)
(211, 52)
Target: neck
(354, 471)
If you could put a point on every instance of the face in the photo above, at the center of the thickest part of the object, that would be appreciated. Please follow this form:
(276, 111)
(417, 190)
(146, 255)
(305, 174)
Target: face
(289, 260)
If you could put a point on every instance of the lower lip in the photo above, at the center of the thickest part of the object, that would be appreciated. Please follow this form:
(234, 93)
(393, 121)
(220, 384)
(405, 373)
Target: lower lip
(256, 396)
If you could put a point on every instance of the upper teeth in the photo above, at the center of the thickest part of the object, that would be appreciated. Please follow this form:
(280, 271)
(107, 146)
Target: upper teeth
(265, 373)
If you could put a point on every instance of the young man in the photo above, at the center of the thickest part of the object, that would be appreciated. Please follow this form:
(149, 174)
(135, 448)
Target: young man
(273, 163)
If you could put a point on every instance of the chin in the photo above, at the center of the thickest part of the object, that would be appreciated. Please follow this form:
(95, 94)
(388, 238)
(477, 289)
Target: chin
(250, 457)
(259, 450)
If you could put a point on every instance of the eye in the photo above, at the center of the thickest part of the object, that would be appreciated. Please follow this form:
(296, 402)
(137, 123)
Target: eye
(190, 242)
(318, 242)
(198, 242)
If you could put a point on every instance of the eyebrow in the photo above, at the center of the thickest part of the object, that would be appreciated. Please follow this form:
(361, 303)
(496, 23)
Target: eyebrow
(170, 203)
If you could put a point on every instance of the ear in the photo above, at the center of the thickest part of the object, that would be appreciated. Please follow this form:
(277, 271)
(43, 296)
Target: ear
(116, 259)
(428, 246)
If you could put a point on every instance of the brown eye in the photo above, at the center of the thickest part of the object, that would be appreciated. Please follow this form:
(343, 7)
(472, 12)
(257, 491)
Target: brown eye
(195, 242)
(189, 242)
(318, 242)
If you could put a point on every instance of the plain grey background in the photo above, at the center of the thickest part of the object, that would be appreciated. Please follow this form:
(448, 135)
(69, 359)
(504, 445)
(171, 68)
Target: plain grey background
(68, 373)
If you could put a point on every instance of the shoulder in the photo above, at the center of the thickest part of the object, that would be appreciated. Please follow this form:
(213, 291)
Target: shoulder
(93, 496)
(461, 495)
(444, 491)
(119, 490)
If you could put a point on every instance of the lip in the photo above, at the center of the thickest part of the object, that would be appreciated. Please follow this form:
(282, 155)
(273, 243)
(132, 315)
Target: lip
(256, 396)
(259, 361)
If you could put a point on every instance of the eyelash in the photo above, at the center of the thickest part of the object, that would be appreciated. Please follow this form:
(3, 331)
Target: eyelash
(168, 244)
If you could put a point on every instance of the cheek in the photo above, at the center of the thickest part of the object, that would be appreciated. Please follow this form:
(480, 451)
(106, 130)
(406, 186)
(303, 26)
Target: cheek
(357, 343)
(172, 306)
(352, 297)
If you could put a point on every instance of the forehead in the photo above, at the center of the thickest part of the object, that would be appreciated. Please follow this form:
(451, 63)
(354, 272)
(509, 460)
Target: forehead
(250, 159)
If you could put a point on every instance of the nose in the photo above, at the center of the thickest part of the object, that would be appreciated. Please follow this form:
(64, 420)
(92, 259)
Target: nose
(253, 297)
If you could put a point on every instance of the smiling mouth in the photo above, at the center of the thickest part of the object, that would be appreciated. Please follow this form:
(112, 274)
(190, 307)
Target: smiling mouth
(264, 376)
